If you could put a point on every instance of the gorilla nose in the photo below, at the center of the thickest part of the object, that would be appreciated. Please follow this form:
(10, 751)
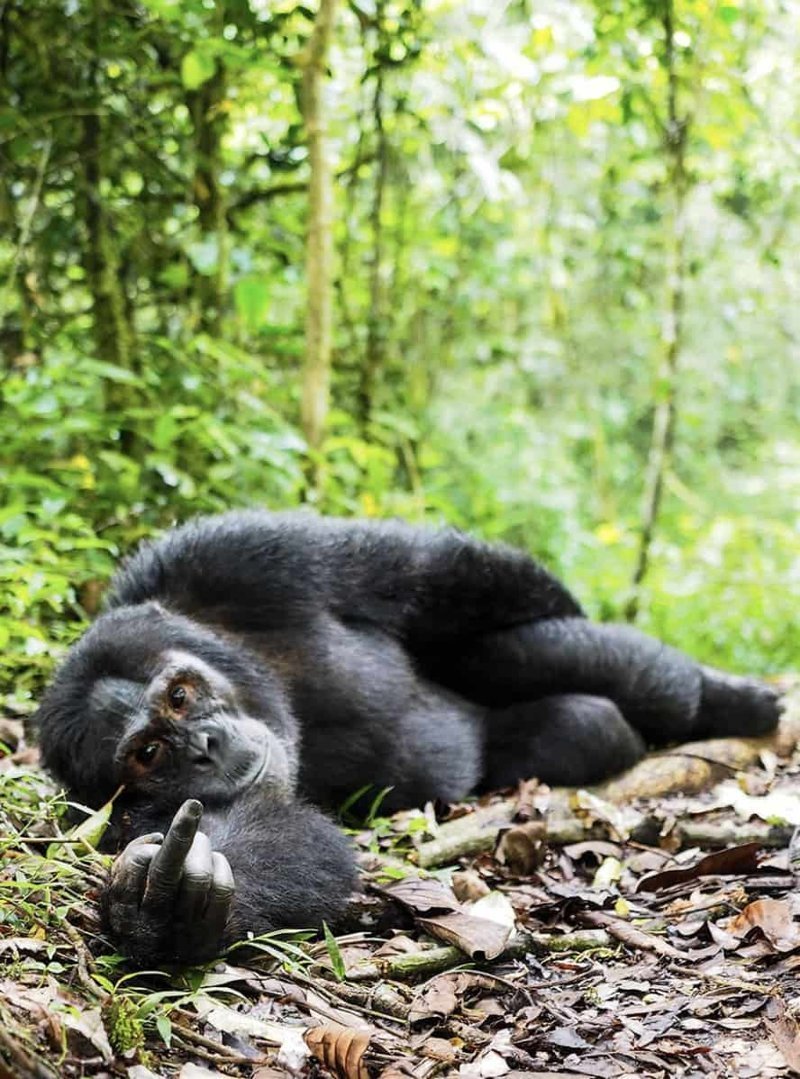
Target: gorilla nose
(205, 747)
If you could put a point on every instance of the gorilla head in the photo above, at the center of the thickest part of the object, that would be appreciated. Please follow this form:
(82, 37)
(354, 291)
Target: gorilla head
(150, 700)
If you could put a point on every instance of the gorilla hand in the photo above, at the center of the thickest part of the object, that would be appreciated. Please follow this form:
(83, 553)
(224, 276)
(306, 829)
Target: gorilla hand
(169, 897)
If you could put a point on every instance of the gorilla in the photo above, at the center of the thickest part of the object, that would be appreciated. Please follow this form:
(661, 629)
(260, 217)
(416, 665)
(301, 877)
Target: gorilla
(254, 669)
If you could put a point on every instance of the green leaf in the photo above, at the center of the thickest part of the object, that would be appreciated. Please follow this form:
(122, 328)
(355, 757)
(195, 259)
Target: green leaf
(197, 67)
(111, 372)
(89, 831)
(164, 1028)
(335, 955)
(252, 300)
(728, 13)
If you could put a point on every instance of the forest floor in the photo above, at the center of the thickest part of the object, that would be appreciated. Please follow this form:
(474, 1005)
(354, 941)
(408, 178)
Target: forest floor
(650, 927)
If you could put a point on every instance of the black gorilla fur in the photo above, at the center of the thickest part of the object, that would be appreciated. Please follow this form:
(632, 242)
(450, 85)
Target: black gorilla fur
(267, 664)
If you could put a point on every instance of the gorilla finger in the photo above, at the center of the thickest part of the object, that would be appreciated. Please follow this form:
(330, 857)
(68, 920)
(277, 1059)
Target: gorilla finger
(167, 867)
(128, 882)
(220, 898)
(197, 878)
(129, 871)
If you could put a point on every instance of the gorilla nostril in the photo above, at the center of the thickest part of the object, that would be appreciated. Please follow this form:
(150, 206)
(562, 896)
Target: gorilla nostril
(206, 747)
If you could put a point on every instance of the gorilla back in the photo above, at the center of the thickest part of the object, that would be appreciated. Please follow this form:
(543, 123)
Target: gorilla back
(268, 664)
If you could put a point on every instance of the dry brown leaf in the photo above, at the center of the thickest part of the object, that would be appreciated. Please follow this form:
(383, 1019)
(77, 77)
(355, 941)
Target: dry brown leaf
(439, 1049)
(522, 847)
(478, 937)
(533, 800)
(730, 862)
(438, 998)
(600, 848)
(469, 885)
(398, 1069)
(421, 896)
(772, 918)
(397, 945)
(340, 1049)
(786, 1035)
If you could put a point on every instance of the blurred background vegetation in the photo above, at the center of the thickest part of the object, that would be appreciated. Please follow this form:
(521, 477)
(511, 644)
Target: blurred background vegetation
(563, 292)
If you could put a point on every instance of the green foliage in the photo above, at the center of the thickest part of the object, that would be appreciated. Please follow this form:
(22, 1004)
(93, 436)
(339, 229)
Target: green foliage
(124, 1027)
(334, 954)
(500, 224)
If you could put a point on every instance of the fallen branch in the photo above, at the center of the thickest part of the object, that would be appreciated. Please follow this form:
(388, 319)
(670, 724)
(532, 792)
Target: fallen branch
(714, 835)
(690, 769)
(436, 960)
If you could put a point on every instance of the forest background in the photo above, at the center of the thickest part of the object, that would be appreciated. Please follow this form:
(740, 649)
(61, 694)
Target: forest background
(553, 292)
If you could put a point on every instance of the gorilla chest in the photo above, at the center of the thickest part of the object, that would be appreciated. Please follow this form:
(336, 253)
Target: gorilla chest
(367, 718)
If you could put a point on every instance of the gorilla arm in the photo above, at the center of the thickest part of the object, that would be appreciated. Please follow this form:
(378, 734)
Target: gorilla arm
(183, 897)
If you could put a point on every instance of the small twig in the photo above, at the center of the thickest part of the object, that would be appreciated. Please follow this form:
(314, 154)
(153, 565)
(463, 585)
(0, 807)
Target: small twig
(194, 1036)
(630, 934)
(219, 1058)
(84, 964)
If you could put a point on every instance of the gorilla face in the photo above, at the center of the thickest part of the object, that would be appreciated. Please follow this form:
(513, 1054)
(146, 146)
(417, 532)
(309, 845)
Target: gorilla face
(185, 730)
(169, 710)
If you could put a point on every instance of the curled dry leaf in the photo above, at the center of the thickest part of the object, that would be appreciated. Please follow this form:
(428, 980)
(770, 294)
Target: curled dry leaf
(598, 848)
(469, 885)
(522, 847)
(730, 862)
(773, 918)
(786, 1035)
(495, 907)
(437, 999)
(478, 937)
(339, 1049)
(421, 896)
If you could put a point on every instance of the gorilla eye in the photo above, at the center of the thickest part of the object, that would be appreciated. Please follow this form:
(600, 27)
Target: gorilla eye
(147, 754)
(177, 697)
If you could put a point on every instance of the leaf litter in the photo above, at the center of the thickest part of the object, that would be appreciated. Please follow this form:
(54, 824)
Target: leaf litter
(610, 933)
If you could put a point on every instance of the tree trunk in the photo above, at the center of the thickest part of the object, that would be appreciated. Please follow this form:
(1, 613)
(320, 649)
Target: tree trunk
(319, 242)
(376, 334)
(113, 334)
(663, 430)
(208, 122)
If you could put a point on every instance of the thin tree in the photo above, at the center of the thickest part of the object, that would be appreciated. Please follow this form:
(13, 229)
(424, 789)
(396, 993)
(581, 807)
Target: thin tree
(664, 415)
(208, 123)
(376, 332)
(319, 242)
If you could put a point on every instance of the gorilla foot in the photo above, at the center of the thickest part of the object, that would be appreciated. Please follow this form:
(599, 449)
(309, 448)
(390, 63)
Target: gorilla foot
(732, 705)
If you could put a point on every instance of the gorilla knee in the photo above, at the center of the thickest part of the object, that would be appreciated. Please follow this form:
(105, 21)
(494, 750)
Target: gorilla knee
(567, 740)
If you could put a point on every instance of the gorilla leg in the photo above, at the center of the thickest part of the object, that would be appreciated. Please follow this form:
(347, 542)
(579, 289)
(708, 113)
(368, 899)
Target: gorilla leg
(569, 740)
(660, 691)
